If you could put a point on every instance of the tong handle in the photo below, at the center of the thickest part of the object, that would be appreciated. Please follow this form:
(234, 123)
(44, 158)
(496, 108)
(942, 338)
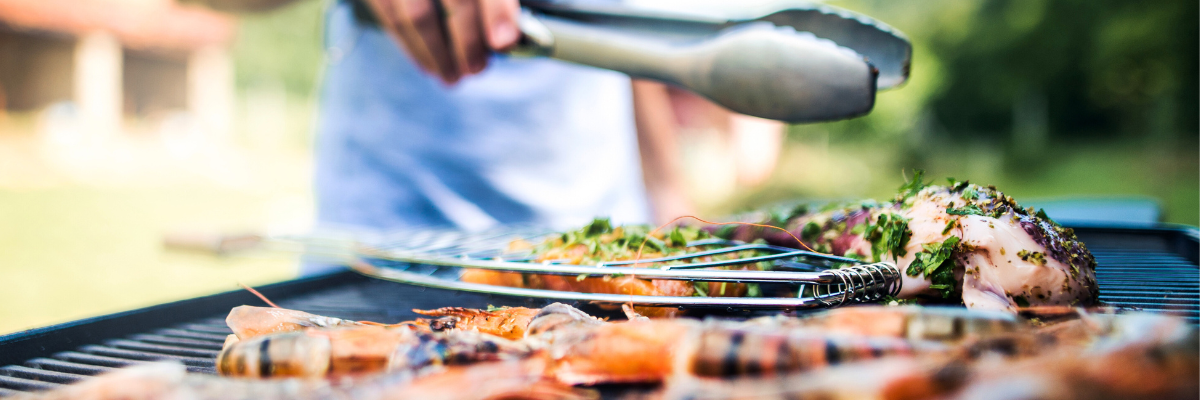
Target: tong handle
(756, 69)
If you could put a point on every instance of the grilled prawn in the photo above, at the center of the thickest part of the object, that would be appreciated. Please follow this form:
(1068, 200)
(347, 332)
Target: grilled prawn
(1137, 356)
(337, 352)
(249, 321)
(579, 348)
(505, 322)
(167, 380)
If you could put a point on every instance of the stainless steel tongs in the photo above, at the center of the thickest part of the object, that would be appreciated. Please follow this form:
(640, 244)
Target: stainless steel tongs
(789, 61)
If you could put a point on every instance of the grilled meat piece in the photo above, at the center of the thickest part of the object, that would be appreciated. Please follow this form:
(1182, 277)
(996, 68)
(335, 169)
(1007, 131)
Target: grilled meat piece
(961, 241)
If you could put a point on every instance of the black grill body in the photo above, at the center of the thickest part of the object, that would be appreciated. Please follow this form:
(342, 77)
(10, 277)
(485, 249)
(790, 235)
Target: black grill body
(1152, 269)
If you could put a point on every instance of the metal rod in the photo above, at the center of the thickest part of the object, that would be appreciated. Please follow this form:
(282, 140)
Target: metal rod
(648, 273)
(395, 275)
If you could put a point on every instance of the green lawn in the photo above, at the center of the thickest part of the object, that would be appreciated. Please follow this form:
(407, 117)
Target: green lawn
(70, 253)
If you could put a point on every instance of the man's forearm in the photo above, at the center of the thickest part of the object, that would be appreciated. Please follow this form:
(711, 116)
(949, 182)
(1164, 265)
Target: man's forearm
(662, 167)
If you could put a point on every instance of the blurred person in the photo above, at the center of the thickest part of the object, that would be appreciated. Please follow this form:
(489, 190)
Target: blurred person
(424, 123)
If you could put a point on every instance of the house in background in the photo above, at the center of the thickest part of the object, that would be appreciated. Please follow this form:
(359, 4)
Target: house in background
(108, 60)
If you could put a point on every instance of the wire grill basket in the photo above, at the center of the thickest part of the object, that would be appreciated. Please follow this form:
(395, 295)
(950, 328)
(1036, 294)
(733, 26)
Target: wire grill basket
(438, 258)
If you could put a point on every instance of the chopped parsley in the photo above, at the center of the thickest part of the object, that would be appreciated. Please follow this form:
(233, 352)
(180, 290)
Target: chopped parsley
(675, 238)
(810, 231)
(1041, 213)
(895, 301)
(598, 226)
(937, 264)
(913, 186)
(970, 193)
(1035, 257)
(889, 235)
(799, 210)
(969, 209)
(949, 225)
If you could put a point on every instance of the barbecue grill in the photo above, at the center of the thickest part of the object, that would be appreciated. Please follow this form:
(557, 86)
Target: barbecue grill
(1151, 269)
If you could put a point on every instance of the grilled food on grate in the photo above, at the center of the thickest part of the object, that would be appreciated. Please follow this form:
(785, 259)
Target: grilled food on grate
(860, 352)
(599, 242)
(961, 243)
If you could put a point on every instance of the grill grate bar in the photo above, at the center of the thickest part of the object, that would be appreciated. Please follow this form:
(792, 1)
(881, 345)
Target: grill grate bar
(17, 371)
(145, 356)
(1132, 284)
(1148, 276)
(173, 341)
(92, 359)
(66, 367)
(27, 385)
(155, 348)
(192, 335)
(1188, 294)
(220, 329)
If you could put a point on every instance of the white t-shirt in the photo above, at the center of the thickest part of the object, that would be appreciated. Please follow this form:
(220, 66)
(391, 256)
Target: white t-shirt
(528, 141)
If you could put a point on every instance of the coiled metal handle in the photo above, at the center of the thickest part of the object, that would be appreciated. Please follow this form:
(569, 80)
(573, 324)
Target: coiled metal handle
(860, 283)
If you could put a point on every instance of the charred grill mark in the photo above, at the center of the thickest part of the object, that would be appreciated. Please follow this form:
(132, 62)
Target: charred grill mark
(877, 350)
(832, 356)
(442, 324)
(957, 328)
(264, 358)
(729, 365)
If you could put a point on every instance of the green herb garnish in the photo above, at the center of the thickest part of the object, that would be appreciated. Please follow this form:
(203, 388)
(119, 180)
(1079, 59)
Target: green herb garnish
(597, 227)
(752, 290)
(949, 226)
(970, 193)
(936, 263)
(889, 235)
(810, 231)
(969, 209)
(913, 186)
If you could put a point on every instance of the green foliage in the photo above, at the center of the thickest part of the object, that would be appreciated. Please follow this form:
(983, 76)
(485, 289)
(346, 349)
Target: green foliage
(281, 47)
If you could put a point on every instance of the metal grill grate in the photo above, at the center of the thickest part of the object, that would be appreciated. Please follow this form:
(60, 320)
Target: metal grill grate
(1148, 269)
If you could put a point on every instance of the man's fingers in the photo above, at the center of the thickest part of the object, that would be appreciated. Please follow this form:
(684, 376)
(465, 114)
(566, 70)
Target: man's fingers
(500, 23)
(418, 25)
(466, 35)
(425, 21)
(385, 11)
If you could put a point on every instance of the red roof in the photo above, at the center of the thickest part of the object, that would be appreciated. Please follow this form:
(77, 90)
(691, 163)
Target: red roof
(143, 24)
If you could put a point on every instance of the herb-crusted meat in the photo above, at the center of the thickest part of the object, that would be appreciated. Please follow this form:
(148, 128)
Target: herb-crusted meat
(955, 241)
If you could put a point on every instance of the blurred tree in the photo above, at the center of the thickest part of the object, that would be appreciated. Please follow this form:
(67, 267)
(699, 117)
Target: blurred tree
(282, 46)
(1085, 67)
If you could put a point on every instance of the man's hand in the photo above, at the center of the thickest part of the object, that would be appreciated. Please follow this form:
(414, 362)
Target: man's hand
(450, 38)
